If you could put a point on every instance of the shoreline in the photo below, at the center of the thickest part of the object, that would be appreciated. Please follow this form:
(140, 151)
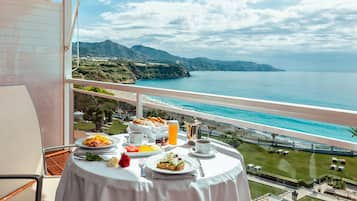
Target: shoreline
(221, 128)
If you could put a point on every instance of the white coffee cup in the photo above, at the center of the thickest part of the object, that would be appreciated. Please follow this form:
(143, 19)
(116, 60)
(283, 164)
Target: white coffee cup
(203, 146)
(136, 137)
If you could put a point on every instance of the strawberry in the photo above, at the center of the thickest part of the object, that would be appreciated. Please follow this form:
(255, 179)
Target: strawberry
(124, 161)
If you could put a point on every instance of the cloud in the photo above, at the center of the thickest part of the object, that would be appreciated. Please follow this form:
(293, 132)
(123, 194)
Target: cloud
(235, 27)
(105, 2)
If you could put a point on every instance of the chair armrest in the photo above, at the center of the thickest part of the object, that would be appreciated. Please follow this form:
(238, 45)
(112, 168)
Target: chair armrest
(37, 178)
(54, 148)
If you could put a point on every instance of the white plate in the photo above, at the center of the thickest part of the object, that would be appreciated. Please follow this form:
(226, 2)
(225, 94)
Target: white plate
(212, 153)
(190, 165)
(80, 144)
(143, 154)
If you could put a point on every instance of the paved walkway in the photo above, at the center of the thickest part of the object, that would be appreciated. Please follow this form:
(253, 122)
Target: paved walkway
(302, 191)
(269, 183)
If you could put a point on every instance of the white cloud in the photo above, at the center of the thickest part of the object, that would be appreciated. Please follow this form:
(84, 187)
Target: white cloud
(105, 2)
(236, 26)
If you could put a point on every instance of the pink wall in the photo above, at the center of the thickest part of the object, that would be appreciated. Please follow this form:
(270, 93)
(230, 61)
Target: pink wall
(31, 54)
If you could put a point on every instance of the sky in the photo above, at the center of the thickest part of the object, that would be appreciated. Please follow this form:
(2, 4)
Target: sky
(296, 35)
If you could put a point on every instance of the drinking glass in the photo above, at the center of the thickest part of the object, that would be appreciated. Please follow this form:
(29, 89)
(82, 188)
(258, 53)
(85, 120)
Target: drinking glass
(192, 132)
(173, 128)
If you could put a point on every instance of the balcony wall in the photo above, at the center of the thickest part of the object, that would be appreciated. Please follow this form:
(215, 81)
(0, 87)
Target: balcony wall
(31, 55)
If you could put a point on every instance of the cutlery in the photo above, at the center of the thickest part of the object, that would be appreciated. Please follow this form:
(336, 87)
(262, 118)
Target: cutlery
(169, 148)
(79, 155)
(200, 168)
(109, 151)
(79, 158)
(141, 165)
(83, 154)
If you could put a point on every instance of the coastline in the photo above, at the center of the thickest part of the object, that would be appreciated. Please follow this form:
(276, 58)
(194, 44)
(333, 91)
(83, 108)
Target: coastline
(221, 128)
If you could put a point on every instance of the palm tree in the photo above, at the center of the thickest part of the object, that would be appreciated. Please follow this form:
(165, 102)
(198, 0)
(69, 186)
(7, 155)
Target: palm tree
(354, 132)
(273, 136)
(95, 108)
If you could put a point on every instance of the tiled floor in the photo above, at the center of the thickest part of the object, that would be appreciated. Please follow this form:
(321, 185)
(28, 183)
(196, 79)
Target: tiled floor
(56, 161)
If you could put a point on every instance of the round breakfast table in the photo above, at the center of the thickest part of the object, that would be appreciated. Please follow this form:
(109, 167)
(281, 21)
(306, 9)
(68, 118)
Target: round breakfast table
(224, 180)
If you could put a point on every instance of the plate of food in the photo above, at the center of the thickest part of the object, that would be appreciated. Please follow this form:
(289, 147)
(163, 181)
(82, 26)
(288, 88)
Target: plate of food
(142, 150)
(97, 141)
(171, 163)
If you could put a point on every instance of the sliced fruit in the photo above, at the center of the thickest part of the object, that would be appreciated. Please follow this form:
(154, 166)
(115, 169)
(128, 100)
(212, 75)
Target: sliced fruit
(132, 148)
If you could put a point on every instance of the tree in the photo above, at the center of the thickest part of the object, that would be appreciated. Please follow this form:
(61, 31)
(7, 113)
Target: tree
(273, 136)
(95, 108)
(354, 132)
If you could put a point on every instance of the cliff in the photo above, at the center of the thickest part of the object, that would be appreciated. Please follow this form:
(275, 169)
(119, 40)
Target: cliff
(121, 71)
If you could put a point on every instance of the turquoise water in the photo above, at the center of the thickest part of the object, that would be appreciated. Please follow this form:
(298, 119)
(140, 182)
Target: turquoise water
(329, 89)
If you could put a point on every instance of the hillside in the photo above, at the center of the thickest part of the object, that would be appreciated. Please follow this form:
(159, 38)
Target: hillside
(198, 64)
(209, 64)
(147, 54)
(121, 71)
(152, 54)
(105, 49)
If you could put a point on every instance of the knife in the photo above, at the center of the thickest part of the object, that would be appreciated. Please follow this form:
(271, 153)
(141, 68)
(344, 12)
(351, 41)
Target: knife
(200, 167)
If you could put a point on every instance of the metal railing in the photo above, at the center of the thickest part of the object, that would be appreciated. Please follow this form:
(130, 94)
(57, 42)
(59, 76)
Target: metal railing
(307, 112)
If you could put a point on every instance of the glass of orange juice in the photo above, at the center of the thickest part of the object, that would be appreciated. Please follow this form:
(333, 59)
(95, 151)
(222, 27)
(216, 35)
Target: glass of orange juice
(173, 128)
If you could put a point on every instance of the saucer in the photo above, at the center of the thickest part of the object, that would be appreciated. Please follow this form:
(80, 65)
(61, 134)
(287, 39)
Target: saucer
(194, 152)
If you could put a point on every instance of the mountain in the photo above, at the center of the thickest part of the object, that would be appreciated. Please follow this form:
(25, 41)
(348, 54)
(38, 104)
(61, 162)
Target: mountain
(155, 55)
(209, 64)
(105, 49)
(147, 54)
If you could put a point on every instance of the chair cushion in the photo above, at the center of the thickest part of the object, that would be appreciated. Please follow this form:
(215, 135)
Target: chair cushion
(48, 189)
(8, 186)
(20, 150)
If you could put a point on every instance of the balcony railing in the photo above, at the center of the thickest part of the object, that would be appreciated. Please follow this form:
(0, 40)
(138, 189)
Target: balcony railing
(322, 114)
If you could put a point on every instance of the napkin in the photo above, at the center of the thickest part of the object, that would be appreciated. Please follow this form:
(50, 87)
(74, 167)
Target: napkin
(160, 176)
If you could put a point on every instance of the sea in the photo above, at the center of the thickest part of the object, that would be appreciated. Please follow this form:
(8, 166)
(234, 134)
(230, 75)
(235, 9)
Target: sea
(328, 89)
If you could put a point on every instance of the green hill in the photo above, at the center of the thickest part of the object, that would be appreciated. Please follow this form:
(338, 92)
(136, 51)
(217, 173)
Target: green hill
(147, 54)
(198, 64)
(122, 71)
(106, 49)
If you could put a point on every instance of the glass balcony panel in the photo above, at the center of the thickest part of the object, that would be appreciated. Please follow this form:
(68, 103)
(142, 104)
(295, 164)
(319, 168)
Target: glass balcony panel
(99, 114)
(277, 165)
(322, 129)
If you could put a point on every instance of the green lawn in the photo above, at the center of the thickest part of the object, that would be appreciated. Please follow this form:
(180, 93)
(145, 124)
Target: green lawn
(308, 198)
(117, 127)
(298, 164)
(84, 126)
(257, 189)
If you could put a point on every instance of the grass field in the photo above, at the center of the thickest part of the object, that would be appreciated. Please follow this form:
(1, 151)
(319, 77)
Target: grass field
(257, 189)
(116, 128)
(298, 164)
(308, 198)
(84, 126)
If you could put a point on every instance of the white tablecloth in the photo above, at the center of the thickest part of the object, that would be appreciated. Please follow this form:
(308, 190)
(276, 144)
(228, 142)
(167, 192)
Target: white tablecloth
(224, 180)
